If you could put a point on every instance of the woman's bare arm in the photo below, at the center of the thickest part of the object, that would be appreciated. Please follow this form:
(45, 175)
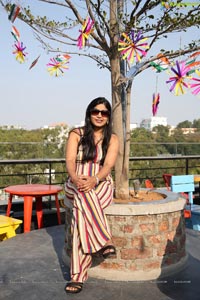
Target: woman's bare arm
(71, 152)
(110, 158)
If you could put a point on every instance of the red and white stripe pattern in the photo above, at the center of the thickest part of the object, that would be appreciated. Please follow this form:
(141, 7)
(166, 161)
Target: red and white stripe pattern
(90, 229)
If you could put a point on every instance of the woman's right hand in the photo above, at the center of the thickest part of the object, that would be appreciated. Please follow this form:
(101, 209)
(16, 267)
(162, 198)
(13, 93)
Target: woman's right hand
(79, 182)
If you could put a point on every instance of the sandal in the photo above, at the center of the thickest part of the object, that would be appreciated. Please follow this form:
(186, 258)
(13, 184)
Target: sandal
(109, 251)
(73, 287)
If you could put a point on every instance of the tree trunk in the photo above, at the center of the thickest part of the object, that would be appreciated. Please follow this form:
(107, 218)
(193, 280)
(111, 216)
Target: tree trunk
(121, 167)
(121, 170)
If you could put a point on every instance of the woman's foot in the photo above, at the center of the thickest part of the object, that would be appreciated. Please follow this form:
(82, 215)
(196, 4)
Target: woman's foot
(108, 251)
(73, 287)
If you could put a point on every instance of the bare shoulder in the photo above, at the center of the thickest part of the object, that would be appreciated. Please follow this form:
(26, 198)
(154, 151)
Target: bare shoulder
(76, 132)
(114, 141)
(114, 138)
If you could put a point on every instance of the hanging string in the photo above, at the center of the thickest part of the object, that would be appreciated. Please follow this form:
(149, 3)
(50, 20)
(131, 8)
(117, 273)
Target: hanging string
(156, 89)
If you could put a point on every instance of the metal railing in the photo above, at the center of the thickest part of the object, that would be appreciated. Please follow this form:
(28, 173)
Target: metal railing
(53, 171)
(154, 167)
(46, 171)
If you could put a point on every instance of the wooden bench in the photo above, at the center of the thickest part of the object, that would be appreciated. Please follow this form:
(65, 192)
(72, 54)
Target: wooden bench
(8, 226)
(184, 183)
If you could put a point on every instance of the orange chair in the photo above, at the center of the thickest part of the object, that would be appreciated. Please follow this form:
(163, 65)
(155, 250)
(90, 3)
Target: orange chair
(167, 180)
(149, 184)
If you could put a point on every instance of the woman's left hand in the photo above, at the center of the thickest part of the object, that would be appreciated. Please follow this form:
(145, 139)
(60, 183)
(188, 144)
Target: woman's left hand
(87, 183)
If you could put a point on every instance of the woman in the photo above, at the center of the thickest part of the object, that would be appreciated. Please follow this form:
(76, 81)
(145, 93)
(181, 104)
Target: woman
(90, 155)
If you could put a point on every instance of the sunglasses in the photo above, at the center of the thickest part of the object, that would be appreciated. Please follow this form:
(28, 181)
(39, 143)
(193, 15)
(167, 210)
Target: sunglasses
(96, 112)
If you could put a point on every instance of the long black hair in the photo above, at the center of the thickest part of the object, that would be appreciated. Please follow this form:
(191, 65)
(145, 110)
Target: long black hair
(87, 140)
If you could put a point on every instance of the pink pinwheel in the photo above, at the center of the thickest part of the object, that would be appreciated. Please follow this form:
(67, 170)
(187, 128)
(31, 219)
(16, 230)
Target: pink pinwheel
(156, 101)
(19, 52)
(87, 29)
(196, 85)
(58, 65)
(178, 81)
(131, 45)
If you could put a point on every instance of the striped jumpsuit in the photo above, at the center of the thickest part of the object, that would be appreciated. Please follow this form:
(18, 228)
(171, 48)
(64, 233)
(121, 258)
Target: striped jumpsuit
(90, 230)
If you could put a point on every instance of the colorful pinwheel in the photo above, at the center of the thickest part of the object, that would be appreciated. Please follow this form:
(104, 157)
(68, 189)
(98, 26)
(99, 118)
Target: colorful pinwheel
(19, 52)
(178, 81)
(87, 29)
(131, 45)
(196, 85)
(155, 103)
(58, 65)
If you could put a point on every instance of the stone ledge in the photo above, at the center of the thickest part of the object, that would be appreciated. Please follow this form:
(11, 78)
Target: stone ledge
(145, 209)
(173, 202)
(138, 275)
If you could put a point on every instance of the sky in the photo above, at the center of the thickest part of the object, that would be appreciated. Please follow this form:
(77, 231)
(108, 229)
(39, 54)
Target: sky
(33, 98)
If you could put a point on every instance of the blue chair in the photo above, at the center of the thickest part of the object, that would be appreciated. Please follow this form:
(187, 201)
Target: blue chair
(184, 183)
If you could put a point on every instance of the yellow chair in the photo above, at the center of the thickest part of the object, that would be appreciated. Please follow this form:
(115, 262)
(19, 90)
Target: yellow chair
(8, 226)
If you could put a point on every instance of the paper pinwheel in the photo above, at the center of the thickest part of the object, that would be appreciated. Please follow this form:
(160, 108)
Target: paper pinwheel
(19, 52)
(14, 12)
(155, 103)
(131, 45)
(196, 85)
(58, 65)
(178, 81)
(15, 33)
(161, 64)
(87, 29)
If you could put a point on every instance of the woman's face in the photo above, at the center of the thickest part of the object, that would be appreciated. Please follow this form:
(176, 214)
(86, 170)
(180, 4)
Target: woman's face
(99, 115)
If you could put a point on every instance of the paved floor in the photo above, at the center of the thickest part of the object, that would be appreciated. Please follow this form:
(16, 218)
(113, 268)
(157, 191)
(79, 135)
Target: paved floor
(31, 268)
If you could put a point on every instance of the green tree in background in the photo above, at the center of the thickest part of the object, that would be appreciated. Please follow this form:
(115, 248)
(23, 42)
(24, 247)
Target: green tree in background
(185, 124)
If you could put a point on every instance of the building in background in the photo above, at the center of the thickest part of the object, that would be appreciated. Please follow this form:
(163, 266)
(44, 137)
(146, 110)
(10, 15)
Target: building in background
(150, 123)
(133, 126)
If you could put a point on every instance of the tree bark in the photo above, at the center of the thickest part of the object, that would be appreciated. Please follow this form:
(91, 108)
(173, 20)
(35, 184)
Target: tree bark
(121, 169)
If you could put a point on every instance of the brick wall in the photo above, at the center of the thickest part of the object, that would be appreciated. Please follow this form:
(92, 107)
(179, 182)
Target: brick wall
(146, 243)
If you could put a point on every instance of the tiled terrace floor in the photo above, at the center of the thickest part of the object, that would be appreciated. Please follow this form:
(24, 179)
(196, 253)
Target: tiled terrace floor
(31, 268)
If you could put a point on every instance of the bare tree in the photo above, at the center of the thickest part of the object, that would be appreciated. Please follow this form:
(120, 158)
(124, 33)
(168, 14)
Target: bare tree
(156, 19)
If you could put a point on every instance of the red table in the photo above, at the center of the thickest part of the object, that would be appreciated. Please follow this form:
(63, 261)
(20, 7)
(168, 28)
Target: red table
(28, 192)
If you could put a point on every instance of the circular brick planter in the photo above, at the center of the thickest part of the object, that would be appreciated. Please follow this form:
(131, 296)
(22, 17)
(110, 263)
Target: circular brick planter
(149, 238)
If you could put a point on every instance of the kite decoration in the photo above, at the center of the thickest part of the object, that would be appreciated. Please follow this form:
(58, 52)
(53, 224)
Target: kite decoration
(87, 29)
(155, 103)
(196, 85)
(15, 9)
(192, 63)
(15, 33)
(131, 45)
(161, 64)
(58, 65)
(178, 81)
(19, 52)
(34, 62)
